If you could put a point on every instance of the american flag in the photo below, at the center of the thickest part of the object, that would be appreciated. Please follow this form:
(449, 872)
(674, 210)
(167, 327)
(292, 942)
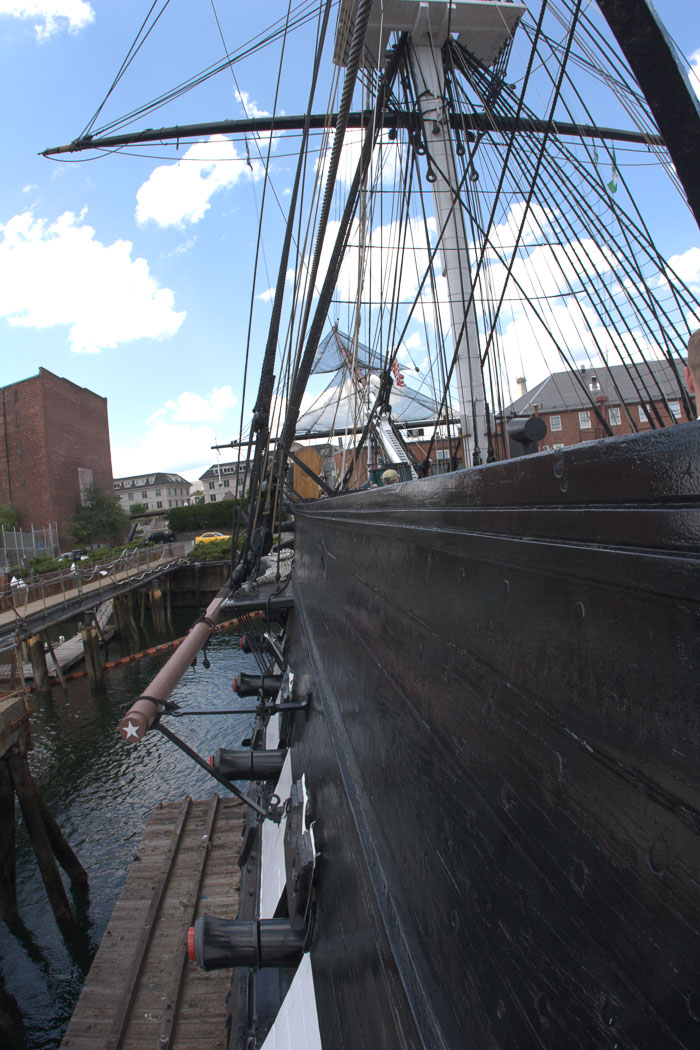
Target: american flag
(397, 374)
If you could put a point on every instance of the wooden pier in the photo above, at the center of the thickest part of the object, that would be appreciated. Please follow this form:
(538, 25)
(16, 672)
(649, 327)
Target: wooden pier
(142, 993)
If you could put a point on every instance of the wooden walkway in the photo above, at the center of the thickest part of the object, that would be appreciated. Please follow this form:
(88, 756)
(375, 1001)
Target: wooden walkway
(69, 652)
(142, 993)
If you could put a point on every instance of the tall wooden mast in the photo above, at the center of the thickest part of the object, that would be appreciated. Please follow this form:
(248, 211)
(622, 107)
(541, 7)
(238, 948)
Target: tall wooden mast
(484, 27)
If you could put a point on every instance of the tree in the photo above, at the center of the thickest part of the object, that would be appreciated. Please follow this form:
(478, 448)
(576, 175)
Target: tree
(9, 516)
(100, 519)
(138, 508)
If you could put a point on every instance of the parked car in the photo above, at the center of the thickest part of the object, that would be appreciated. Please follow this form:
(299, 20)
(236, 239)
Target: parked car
(157, 537)
(210, 537)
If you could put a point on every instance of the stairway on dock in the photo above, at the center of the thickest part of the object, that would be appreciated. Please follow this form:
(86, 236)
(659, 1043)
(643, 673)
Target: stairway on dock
(142, 992)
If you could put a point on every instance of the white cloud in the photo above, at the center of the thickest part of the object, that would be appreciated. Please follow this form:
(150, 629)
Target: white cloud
(193, 408)
(175, 194)
(250, 107)
(52, 15)
(694, 74)
(387, 159)
(60, 274)
(687, 266)
(179, 435)
(172, 447)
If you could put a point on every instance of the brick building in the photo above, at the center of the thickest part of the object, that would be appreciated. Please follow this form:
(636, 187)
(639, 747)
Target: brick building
(54, 441)
(641, 398)
(156, 491)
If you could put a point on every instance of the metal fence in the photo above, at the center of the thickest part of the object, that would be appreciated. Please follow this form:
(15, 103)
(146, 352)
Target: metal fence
(17, 546)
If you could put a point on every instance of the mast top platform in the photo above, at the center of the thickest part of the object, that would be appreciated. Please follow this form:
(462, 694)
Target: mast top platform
(483, 26)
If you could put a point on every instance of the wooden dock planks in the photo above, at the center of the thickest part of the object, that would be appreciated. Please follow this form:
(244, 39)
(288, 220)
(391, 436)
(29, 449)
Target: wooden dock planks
(141, 991)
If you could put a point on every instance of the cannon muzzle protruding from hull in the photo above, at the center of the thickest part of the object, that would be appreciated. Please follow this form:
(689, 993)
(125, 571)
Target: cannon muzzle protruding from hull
(218, 944)
(248, 764)
(252, 684)
(252, 642)
(524, 435)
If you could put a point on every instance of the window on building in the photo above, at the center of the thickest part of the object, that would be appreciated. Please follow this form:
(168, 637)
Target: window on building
(614, 416)
(144, 494)
(159, 504)
(130, 495)
(555, 422)
(212, 499)
(226, 483)
(557, 447)
(643, 414)
(211, 484)
(442, 453)
(584, 420)
(157, 492)
(675, 407)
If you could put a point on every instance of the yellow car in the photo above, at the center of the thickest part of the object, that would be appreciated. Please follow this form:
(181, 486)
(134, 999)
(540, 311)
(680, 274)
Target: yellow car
(210, 537)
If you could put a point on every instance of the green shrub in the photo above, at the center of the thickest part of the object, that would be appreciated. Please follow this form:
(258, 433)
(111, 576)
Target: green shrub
(102, 554)
(215, 550)
(44, 563)
(204, 517)
(10, 517)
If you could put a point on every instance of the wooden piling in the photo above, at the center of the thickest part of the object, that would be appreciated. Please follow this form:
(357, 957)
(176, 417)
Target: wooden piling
(38, 659)
(59, 670)
(168, 594)
(61, 847)
(45, 834)
(12, 1033)
(157, 610)
(31, 811)
(126, 621)
(94, 660)
(8, 864)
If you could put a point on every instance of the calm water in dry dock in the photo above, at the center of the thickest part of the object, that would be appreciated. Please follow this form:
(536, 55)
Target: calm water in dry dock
(101, 792)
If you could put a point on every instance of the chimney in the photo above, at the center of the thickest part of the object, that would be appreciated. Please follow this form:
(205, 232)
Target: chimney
(522, 385)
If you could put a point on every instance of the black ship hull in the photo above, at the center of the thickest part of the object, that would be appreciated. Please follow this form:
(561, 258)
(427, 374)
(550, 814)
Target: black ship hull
(501, 754)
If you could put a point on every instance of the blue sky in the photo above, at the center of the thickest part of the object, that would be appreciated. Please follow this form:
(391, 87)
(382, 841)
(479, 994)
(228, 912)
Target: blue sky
(132, 275)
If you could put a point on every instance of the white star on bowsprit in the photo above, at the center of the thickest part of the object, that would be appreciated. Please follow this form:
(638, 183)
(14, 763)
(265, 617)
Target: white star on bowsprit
(130, 730)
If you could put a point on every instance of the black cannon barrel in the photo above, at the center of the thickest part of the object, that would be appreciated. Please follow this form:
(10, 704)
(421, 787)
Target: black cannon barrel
(252, 684)
(247, 764)
(217, 944)
(524, 432)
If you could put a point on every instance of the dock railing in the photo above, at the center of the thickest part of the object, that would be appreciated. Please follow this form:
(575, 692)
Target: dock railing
(40, 591)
